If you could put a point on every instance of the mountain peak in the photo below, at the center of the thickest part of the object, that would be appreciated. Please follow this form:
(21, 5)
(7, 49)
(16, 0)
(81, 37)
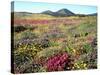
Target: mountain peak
(62, 12)
(63, 9)
(65, 12)
(48, 12)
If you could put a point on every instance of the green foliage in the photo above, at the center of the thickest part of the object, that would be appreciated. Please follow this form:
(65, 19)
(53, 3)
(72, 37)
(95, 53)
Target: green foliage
(54, 43)
(87, 48)
(48, 52)
(43, 42)
(25, 53)
(28, 35)
(68, 49)
(19, 28)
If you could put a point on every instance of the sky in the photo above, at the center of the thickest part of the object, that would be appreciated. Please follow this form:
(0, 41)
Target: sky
(37, 7)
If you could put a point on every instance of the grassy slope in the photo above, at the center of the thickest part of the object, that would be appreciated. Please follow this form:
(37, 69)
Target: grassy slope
(70, 38)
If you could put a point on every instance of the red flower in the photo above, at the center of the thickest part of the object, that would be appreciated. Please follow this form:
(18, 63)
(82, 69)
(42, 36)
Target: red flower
(57, 62)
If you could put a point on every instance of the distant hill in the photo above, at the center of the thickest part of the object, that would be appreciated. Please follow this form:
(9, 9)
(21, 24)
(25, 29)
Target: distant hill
(65, 12)
(28, 15)
(48, 13)
(62, 12)
(94, 14)
(83, 15)
(23, 13)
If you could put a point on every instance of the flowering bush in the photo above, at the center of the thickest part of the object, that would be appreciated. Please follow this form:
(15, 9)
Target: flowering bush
(57, 62)
(24, 56)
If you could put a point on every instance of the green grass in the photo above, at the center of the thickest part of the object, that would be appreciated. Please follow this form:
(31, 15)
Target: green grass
(44, 41)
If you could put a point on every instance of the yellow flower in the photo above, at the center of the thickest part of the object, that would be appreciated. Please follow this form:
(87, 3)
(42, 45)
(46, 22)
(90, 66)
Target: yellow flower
(84, 65)
(74, 50)
(78, 66)
(72, 67)
(75, 64)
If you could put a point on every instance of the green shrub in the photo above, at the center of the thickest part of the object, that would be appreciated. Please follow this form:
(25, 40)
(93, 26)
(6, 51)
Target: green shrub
(48, 52)
(53, 43)
(87, 48)
(24, 54)
(43, 42)
(19, 28)
(28, 35)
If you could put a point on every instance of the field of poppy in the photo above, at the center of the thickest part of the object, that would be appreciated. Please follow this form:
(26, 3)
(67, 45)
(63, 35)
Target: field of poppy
(44, 43)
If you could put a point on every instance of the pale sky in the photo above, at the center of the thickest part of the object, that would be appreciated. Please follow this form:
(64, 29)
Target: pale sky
(37, 7)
